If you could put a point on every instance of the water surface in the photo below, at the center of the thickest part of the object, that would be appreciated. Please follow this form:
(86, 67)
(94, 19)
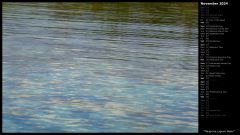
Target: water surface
(100, 67)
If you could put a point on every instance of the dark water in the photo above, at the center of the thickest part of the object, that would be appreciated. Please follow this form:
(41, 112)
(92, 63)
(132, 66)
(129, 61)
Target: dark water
(100, 67)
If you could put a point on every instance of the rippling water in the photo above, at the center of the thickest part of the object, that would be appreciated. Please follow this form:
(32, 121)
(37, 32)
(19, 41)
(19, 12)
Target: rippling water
(100, 67)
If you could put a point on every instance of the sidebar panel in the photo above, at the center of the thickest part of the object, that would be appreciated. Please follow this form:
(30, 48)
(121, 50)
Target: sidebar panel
(216, 92)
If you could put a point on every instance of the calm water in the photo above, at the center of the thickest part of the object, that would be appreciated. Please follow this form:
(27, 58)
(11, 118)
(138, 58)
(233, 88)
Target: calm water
(100, 67)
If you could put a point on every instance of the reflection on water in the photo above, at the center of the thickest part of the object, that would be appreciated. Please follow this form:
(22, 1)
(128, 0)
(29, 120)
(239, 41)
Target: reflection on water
(100, 67)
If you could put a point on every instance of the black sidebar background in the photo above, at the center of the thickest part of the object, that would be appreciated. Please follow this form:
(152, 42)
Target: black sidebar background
(217, 94)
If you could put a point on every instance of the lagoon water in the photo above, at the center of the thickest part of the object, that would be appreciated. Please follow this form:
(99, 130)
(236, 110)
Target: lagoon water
(100, 67)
